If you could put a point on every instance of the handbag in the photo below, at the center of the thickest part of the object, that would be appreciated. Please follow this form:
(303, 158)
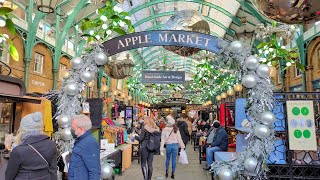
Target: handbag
(167, 139)
(41, 157)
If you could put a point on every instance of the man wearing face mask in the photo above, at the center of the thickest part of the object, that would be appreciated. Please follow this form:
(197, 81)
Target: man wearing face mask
(85, 158)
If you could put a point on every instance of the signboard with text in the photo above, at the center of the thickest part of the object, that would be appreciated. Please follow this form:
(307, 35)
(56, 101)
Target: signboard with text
(163, 77)
(301, 125)
(163, 38)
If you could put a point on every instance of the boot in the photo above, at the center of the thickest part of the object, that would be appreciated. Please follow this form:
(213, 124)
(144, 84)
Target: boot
(167, 174)
(172, 176)
(149, 174)
(144, 172)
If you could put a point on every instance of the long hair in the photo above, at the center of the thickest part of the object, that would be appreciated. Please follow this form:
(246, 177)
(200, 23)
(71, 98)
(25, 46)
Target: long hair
(150, 122)
(175, 128)
(20, 132)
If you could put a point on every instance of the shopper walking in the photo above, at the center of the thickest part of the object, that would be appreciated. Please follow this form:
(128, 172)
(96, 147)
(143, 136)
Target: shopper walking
(171, 137)
(85, 157)
(146, 154)
(35, 157)
(184, 132)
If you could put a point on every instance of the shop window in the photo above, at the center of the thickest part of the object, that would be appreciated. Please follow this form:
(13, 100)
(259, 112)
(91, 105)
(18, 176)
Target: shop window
(297, 71)
(38, 63)
(4, 54)
(62, 69)
(5, 119)
(279, 76)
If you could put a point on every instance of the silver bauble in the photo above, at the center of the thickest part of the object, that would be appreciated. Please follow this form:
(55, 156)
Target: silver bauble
(66, 134)
(267, 118)
(64, 121)
(262, 131)
(86, 76)
(288, 11)
(226, 174)
(236, 47)
(71, 89)
(251, 62)
(249, 81)
(76, 63)
(250, 164)
(263, 71)
(100, 58)
(106, 171)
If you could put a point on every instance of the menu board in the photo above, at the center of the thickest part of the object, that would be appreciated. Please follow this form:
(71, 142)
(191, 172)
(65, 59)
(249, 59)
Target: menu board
(301, 125)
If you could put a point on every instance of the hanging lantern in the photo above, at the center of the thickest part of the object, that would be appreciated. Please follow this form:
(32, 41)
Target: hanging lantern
(238, 87)
(223, 95)
(127, 66)
(230, 92)
(115, 92)
(218, 98)
(47, 6)
(104, 88)
(91, 83)
(123, 96)
(129, 98)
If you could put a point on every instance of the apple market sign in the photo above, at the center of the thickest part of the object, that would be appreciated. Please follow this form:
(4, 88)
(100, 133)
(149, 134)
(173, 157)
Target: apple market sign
(163, 38)
(163, 77)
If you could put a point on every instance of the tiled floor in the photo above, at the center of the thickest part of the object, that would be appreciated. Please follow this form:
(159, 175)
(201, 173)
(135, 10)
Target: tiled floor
(192, 171)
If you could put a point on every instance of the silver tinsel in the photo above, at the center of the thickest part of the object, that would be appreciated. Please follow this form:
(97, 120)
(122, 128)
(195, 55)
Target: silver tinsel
(260, 99)
(72, 105)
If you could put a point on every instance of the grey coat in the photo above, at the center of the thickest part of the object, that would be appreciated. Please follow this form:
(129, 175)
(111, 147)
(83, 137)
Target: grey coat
(25, 163)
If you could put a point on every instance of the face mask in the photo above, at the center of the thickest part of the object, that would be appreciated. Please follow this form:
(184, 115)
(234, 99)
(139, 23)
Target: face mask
(73, 133)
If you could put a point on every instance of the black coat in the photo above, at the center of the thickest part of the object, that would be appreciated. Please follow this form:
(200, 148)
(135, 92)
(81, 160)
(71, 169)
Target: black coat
(26, 163)
(220, 139)
(183, 128)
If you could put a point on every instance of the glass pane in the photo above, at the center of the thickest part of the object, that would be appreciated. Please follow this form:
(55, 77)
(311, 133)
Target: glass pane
(5, 119)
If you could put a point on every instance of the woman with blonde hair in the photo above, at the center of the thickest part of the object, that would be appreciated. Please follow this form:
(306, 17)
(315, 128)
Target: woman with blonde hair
(146, 155)
(35, 157)
(171, 137)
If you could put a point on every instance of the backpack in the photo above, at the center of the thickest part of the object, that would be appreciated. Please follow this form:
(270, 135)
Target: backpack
(153, 143)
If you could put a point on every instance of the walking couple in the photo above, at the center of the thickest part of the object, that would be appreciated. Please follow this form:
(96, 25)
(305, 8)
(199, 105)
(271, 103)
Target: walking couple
(170, 142)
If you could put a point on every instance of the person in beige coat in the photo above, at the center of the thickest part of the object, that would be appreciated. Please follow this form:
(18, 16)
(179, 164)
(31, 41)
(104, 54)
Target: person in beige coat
(171, 137)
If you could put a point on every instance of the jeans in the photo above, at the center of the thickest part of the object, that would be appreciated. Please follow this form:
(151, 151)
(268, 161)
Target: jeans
(210, 154)
(171, 149)
(146, 158)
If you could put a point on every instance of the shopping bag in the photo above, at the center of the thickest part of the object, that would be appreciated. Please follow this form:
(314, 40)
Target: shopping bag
(183, 159)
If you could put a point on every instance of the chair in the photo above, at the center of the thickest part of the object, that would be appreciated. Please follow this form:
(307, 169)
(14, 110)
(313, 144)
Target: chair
(202, 153)
(196, 143)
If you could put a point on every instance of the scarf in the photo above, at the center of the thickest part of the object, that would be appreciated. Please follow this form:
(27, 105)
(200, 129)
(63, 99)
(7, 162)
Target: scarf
(26, 135)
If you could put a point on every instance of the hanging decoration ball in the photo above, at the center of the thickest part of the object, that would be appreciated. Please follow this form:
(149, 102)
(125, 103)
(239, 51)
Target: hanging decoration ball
(288, 11)
(249, 81)
(76, 63)
(268, 118)
(71, 89)
(250, 164)
(223, 95)
(225, 174)
(273, 71)
(262, 131)
(251, 62)
(129, 98)
(101, 58)
(91, 83)
(64, 121)
(66, 134)
(236, 47)
(238, 87)
(263, 71)
(218, 98)
(104, 88)
(230, 92)
(86, 76)
(106, 171)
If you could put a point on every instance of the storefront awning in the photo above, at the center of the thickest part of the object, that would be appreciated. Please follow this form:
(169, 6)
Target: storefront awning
(6, 97)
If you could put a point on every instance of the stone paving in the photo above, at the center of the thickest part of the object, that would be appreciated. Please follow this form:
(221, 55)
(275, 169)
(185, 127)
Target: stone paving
(192, 171)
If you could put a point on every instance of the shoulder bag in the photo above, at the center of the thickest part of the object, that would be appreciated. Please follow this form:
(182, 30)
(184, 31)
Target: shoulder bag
(167, 138)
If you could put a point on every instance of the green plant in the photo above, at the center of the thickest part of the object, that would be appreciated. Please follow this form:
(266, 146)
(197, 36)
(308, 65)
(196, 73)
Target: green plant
(110, 19)
(5, 14)
(272, 52)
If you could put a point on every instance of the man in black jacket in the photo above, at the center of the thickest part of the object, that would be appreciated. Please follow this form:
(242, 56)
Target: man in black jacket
(219, 143)
(183, 128)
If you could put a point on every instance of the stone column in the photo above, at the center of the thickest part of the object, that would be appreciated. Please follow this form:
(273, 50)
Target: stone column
(309, 73)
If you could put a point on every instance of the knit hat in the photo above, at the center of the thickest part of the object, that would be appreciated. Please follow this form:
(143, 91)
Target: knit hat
(170, 120)
(216, 124)
(32, 122)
